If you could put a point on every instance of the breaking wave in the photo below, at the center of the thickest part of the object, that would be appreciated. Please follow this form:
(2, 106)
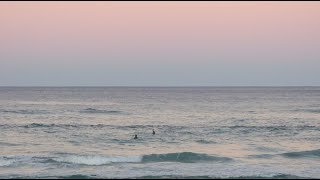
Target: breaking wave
(85, 176)
(184, 157)
(6, 162)
(14, 160)
(95, 160)
(280, 176)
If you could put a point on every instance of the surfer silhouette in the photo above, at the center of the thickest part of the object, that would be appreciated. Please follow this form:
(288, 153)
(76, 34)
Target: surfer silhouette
(153, 132)
(135, 137)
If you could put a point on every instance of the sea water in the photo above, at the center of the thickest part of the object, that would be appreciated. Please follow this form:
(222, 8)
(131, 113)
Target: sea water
(201, 132)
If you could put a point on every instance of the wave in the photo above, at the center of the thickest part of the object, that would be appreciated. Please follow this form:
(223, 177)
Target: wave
(39, 125)
(95, 160)
(33, 125)
(97, 111)
(75, 176)
(183, 130)
(8, 144)
(34, 111)
(284, 127)
(185, 157)
(308, 110)
(281, 128)
(203, 141)
(313, 110)
(24, 111)
(124, 127)
(302, 154)
(299, 154)
(84, 176)
(6, 162)
(262, 156)
(280, 176)
(13, 160)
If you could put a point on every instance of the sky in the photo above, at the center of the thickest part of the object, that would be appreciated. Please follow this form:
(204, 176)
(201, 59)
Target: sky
(160, 43)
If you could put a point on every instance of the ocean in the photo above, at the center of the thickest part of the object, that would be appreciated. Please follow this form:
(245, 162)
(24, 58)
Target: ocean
(200, 132)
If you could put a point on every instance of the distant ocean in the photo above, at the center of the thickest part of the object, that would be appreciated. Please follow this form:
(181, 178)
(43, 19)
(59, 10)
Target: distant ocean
(201, 132)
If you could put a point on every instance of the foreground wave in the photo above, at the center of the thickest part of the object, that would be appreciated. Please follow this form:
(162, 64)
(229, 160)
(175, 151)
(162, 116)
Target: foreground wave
(183, 157)
(80, 176)
(96, 160)
(280, 176)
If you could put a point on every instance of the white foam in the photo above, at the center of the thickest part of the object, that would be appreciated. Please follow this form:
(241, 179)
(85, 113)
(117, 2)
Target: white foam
(97, 160)
(6, 162)
(15, 160)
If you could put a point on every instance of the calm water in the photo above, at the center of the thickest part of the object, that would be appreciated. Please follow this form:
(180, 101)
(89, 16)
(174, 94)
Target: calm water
(217, 132)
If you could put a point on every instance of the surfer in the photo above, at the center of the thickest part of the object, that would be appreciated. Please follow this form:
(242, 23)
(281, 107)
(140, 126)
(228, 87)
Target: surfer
(135, 137)
(153, 132)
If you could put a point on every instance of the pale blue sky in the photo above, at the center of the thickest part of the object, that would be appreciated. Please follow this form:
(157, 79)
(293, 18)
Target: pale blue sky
(144, 44)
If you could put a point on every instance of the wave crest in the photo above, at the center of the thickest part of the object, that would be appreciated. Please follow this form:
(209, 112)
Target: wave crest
(95, 160)
(24, 111)
(6, 162)
(299, 154)
(307, 110)
(186, 157)
(98, 111)
(302, 154)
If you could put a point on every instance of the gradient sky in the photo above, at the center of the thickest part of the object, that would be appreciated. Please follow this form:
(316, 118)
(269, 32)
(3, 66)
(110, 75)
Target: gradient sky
(159, 43)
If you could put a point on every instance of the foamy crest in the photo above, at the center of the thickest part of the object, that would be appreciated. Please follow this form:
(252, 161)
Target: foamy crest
(97, 160)
(6, 162)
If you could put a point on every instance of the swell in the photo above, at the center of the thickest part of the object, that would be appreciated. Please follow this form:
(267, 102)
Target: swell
(298, 154)
(302, 154)
(24, 111)
(37, 111)
(308, 110)
(271, 128)
(99, 111)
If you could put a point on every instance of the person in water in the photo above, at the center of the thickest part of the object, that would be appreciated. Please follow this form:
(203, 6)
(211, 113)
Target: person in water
(135, 136)
(153, 132)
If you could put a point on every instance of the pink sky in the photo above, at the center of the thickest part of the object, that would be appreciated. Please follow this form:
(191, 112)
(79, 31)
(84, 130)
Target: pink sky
(144, 35)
